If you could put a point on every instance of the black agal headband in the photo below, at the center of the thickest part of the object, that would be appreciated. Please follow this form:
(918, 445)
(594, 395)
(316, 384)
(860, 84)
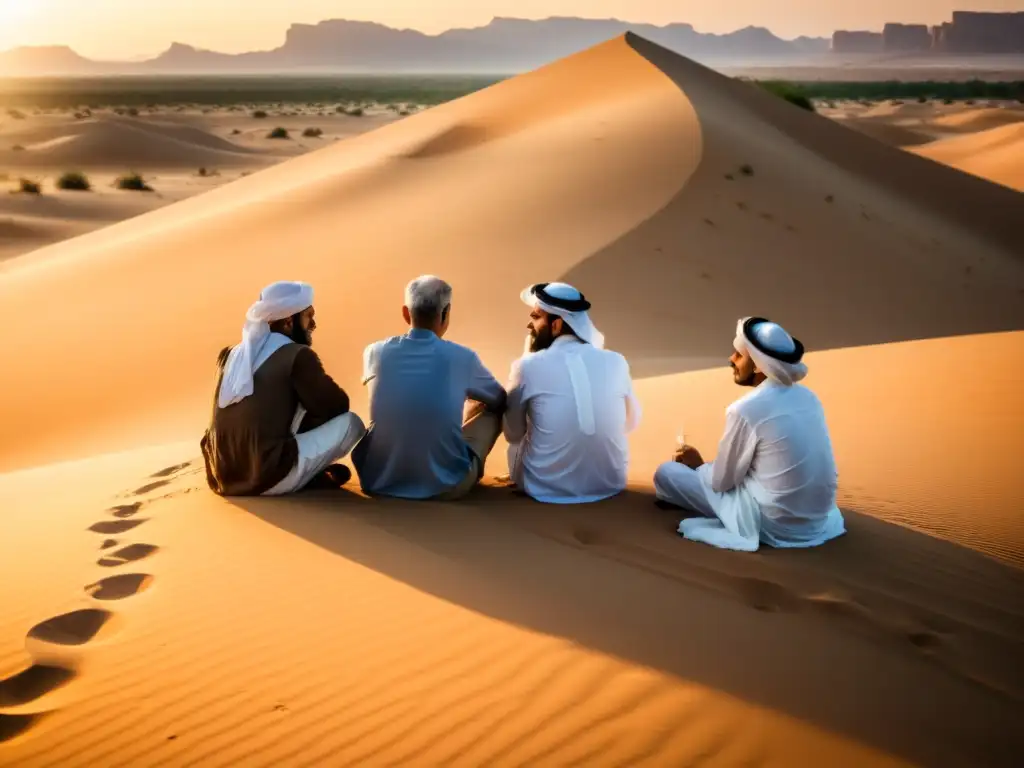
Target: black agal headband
(786, 357)
(569, 305)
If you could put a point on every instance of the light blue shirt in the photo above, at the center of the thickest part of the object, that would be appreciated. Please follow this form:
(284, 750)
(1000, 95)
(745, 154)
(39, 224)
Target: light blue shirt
(419, 385)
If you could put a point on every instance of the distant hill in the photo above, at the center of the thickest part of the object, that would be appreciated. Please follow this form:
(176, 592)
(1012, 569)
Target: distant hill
(502, 46)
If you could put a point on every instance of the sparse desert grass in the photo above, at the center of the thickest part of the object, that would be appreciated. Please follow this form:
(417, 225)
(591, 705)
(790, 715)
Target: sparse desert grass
(30, 187)
(132, 182)
(278, 133)
(313, 133)
(74, 180)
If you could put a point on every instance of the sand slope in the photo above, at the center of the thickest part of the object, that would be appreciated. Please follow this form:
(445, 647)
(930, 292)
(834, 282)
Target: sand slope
(996, 154)
(499, 632)
(104, 142)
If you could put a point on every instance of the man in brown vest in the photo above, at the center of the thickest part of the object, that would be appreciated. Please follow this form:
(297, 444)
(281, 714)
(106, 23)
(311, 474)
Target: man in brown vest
(279, 421)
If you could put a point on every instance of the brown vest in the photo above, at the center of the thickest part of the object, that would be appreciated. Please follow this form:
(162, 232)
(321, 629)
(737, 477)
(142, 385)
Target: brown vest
(249, 447)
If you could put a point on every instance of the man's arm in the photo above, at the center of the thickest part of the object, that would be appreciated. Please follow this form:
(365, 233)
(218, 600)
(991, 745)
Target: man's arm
(371, 357)
(318, 393)
(483, 387)
(735, 454)
(514, 423)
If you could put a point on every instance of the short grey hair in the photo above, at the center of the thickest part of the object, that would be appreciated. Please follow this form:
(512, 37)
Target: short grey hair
(427, 297)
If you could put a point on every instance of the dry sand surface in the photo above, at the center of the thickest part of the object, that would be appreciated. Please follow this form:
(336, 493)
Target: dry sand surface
(147, 622)
(984, 140)
(179, 151)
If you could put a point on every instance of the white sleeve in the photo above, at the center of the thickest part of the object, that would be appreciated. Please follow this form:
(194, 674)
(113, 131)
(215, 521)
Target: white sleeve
(514, 423)
(633, 409)
(371, 357)
(735, 453)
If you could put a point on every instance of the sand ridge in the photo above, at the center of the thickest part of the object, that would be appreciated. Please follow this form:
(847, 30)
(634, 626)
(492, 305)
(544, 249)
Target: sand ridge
(329, 628)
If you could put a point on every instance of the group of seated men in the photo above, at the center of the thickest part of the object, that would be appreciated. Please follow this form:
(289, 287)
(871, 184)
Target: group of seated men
(280, 423)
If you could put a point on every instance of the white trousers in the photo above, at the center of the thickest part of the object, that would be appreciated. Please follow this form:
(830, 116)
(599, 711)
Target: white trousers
(318, 449)
(682, 486)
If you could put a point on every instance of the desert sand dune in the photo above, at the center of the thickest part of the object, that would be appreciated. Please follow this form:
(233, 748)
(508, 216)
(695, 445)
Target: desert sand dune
(112, 142)
(996, 154)
(331, 628)
(889, 133)
(979, 119)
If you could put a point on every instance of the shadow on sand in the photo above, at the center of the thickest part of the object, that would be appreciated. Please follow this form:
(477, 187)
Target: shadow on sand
(793, 631)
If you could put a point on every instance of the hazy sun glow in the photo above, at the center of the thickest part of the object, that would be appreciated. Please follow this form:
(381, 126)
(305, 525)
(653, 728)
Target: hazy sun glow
(13, 13)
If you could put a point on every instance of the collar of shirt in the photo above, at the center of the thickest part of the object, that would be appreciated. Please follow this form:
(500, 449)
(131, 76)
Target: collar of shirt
(420, 334)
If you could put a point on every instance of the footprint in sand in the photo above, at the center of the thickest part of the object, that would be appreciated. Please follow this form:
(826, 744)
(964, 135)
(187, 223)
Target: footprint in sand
(114, 526)
(75, 628)
(126, 510)
(128, 554)
(150, 487)
(168, 471)
(119, 587)
(12, 726)
(767, 596)
(33, 683)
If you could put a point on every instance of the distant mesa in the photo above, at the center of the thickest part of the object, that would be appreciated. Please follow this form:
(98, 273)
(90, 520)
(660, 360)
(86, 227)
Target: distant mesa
(968, 33)
(503, 46)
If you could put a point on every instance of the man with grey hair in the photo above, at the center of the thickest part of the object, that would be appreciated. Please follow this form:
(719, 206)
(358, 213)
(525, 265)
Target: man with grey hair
(418, 445)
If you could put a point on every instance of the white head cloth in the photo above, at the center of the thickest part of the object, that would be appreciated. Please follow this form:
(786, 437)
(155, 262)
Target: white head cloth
(579, 320)
(766, 342)
(277, 301)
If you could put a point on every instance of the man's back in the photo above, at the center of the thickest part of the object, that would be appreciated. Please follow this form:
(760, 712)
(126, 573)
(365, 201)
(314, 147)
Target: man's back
(571, 408)
(793, 464)
(419, 384)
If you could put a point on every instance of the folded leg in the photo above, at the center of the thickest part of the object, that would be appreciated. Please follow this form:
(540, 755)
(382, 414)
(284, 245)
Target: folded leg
(678, 484)
(480, 430)
(318, 449)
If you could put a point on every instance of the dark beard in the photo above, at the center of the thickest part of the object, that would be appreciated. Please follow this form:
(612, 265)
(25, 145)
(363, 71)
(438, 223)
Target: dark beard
(541, 341)
(747, 382)
(299, 334)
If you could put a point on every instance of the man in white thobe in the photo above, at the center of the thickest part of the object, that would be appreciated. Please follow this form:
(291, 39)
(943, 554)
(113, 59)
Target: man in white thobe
(774, 478)
(570, 404)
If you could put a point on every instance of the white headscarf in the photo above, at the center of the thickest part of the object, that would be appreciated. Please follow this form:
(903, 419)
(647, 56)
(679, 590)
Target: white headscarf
(548, 296)
(775, 353)
(277, 301)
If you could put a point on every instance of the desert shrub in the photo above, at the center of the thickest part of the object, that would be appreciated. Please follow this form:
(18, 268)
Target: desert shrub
(15, 114)
(30, 187)
(403, 113)
(278, 133)
(207, 172)
(133, 182)
(341, 109)
(133, 112)
(235, 131)
(898, 102)
(791, 93)
(747, 169)
(312, 133)
(74, 180)
(970, 102)
(357, 112)
(922, 99)
(259, 114)
(17, 148)
(947, 102)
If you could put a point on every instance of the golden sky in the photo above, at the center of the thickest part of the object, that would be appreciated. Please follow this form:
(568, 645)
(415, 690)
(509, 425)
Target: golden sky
(128, 28)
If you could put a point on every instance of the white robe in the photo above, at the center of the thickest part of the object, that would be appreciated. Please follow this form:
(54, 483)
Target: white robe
(773, 481)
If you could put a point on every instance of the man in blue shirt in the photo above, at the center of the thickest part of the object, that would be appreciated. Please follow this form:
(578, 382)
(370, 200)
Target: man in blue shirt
(418, 446)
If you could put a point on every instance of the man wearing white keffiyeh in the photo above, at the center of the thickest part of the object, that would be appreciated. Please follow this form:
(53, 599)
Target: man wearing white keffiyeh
(774, 478)
(570, 404)
(279, 421)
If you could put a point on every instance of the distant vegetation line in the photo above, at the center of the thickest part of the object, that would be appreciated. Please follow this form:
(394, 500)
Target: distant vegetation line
(897, 89)
(95, 92)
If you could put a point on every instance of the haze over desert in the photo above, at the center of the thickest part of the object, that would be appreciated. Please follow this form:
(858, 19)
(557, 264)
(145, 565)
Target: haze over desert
(149, 622)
